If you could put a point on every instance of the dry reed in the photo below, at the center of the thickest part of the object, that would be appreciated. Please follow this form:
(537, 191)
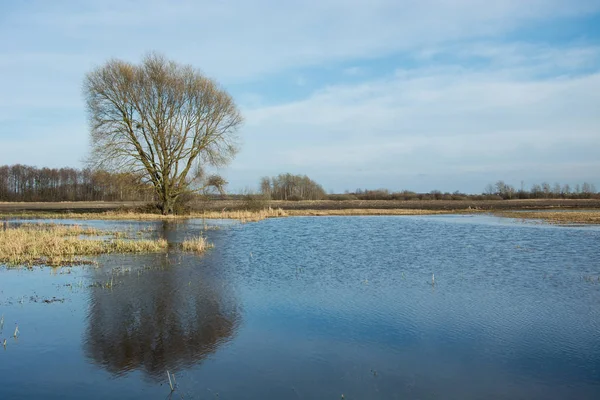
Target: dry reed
(58, 245)
(240, 215)
(197, 245)
(366, 211)
(63, 230)
(556, 217)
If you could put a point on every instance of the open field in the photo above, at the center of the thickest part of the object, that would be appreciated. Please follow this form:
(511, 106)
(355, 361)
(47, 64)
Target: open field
(437, 204)
(68, 206)
(235, 205)
(364, 211)
(556, 217)
(239, 215)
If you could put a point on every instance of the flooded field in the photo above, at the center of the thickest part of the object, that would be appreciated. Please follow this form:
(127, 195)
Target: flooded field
(427, 307)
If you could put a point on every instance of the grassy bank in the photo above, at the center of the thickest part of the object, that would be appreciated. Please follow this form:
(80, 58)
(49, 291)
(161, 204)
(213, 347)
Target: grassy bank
(556, 217)
(58, 245)
(230, 205)
(231, 209)
(437, 205)
(366, 212)
(240, 215)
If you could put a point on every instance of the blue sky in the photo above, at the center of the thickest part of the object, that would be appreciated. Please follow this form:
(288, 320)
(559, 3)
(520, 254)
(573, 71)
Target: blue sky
(419, 95)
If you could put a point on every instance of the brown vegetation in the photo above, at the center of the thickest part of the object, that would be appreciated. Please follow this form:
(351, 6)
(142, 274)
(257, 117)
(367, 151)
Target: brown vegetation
(556, 217)
(240, 215)
(196, 245)
(365, 211)
(447, 205)
(255, 210)
(69, 206)
(58, 245)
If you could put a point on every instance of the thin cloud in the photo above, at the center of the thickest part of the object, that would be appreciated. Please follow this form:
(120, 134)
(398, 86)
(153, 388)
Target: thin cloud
(450, 85)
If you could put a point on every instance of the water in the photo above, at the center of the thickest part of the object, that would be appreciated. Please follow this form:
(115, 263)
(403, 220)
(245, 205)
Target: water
(316, 308)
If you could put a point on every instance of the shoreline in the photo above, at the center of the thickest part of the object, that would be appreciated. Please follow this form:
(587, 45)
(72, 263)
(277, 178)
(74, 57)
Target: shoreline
(213, 205)
(553, 216)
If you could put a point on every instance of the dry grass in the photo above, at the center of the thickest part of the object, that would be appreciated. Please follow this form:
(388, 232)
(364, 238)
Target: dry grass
(556, 217)
(365, 211)
(240, 215)
(196, 245)
(239, 204)
(64, 230)
(534, 204)
(350, 207)
(245, 216)
(59, 245)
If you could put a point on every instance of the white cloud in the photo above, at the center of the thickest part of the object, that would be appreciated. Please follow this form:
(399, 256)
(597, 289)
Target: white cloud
(233, 40)
(437, 121)
(439, 116)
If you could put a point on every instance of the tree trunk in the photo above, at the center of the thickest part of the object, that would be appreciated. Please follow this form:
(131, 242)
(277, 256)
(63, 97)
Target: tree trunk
(167, 204)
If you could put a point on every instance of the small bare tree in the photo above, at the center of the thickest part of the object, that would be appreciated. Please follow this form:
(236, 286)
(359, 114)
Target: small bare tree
(162, 119)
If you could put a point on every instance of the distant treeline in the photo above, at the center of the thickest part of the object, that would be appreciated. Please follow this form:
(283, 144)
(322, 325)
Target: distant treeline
(26, 183)
(301, 187)
(291, 187)
(498, 191)
(385, 194)
(542, 191)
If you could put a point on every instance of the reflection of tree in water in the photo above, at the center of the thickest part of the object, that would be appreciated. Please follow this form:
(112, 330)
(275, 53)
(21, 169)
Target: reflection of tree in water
(170, 317)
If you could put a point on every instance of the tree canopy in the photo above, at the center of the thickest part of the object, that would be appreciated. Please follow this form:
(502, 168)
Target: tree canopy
(162, 119)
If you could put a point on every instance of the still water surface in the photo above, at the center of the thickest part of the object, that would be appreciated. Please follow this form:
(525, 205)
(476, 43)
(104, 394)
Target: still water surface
(316, 308)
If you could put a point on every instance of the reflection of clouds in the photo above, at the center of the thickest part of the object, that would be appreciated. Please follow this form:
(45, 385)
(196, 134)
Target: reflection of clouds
(169, 317)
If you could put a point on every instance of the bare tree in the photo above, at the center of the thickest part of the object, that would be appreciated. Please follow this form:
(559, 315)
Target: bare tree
(557, 190)
(265, 186)
(291, 187)
(489, 189)
(162, 119)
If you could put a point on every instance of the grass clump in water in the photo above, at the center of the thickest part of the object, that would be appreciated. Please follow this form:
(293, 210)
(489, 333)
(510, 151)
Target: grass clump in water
(48, 244)
(196, 245)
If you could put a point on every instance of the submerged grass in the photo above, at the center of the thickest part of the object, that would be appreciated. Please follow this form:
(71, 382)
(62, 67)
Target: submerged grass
(197, 245)
(55, 245)
(556, 217)
(63, 230)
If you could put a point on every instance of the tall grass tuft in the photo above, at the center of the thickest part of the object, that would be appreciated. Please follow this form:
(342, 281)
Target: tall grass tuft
(196, 245)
